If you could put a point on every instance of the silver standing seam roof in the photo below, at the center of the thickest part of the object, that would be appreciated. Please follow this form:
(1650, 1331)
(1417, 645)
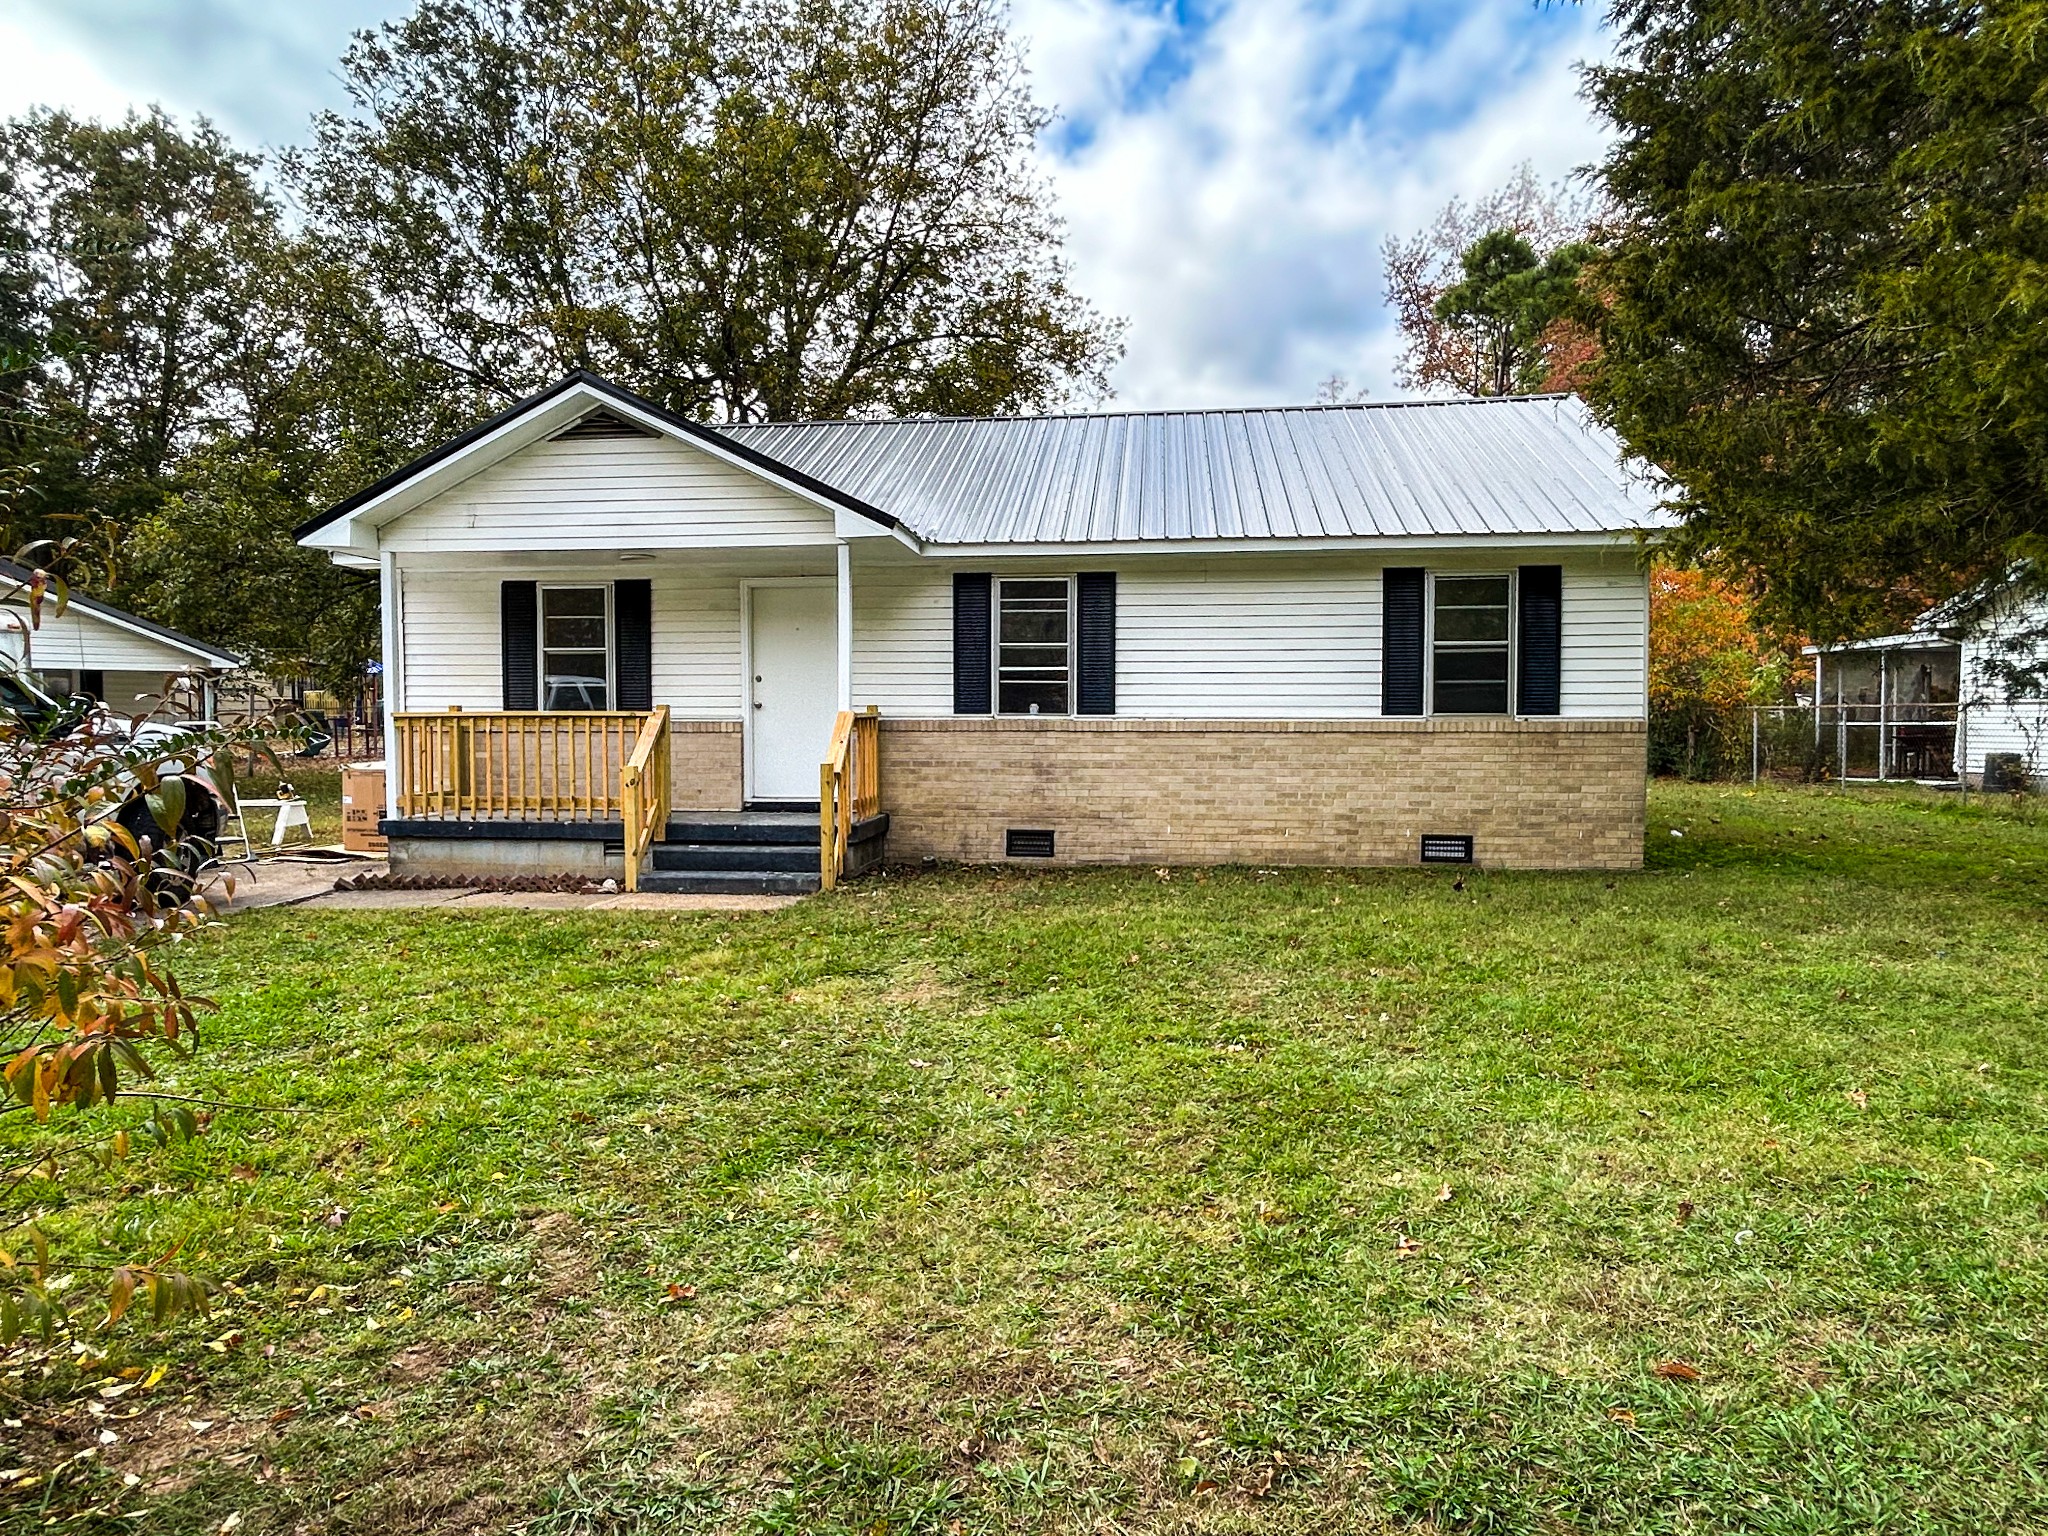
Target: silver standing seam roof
(1530, 464)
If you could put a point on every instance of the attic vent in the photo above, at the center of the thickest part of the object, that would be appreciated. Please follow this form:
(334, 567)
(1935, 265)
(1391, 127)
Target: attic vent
(603, 424)
(1442, 848)
(1023, 843)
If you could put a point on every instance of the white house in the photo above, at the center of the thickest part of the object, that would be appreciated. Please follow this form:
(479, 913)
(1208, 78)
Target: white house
(101, 651)
(1940, 702)
(1334, 635)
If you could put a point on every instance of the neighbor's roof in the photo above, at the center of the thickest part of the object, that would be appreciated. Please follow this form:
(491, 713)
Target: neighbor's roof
(14, 576)
(1533, 464)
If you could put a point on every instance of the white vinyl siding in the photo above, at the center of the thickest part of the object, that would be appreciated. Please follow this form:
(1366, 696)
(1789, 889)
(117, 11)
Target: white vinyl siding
(1606, 641)
(453, 648)
(610, 493)
(1993, 723)
(1227, 638)
(1244, 638)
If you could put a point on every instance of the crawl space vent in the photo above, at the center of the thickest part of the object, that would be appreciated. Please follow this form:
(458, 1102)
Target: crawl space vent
(1442, 848)
(1024, 843)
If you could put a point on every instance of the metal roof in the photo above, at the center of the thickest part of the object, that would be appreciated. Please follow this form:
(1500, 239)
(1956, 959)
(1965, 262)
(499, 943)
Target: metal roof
(1535, 464)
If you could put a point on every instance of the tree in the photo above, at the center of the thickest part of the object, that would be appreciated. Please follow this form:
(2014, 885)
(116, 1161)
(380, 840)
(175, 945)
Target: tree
(775, 208)
(162, 406)
(1507, 303)
(1448, 352)
(1709, 663)
(1825, 314)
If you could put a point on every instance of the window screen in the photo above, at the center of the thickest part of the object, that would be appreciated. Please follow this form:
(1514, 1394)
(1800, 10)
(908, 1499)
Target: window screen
(1469, 645)
(575, 648)
(1034, 649)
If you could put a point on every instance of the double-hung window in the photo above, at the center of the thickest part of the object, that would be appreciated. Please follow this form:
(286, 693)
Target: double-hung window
(575, 647)
(1471, 666)
(1034, 651)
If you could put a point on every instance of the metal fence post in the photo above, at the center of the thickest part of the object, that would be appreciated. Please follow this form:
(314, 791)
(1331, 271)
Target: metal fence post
(1755, 744)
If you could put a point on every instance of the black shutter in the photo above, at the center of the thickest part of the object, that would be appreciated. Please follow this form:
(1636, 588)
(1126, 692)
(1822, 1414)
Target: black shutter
(973, 630)
(1539, 677)
(1401, 640)
(633, 642)
(1095, 692)
(519, 638)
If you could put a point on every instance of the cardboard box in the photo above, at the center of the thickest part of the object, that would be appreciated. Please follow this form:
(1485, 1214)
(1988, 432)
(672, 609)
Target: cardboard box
(362, 807)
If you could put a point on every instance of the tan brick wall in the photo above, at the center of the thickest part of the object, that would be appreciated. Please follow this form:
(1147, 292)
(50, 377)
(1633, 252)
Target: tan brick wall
(704, 765)
(1552, 794)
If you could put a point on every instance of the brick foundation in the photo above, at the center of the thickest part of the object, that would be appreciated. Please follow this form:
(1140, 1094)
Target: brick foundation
(704, 765)
(1550, 794)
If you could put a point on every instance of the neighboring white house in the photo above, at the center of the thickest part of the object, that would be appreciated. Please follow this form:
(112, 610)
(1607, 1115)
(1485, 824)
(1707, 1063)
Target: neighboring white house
(103, 652)
(1939, 702)
(1305, 635)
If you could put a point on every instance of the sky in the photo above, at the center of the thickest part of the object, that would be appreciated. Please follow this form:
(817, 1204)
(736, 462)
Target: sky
(1227, 169)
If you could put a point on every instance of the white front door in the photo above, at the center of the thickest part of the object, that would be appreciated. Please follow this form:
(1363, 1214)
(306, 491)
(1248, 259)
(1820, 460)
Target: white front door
(793, 689)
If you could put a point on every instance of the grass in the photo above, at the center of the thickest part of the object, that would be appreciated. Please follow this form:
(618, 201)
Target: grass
(1126, 1201)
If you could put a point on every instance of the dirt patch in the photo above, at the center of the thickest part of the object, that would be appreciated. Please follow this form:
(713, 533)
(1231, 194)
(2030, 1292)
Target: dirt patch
(568, 1269)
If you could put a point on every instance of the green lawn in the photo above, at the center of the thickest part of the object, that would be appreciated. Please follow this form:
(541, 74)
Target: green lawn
(1235, 1201)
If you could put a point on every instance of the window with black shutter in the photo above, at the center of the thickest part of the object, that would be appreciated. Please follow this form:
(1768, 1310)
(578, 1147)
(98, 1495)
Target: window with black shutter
(633, 642)
(1539, 643)
(973, 678)
(518, 642)
(1095, 648)
(1401, 640)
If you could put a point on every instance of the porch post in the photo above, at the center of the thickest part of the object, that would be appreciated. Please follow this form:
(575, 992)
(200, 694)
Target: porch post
(845, 626)
(387, 593)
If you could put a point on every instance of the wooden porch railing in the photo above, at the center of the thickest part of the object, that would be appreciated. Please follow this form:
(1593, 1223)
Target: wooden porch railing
(849, 787)
(643, 787)
(516, 764)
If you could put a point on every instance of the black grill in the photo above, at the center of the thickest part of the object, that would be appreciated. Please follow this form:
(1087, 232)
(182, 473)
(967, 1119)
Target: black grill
(1022, 843)
(1442, 848)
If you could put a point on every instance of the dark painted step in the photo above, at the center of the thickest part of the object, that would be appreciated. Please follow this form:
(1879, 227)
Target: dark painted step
(772, 827)
(797, 858)
(731, 882)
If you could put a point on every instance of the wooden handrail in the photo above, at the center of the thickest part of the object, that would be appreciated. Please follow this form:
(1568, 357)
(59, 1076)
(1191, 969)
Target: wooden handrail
(644, 792)
(514, 764)
(849, 787)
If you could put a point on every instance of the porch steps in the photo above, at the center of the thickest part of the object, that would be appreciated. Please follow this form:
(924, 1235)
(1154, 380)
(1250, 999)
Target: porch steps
(742, 853)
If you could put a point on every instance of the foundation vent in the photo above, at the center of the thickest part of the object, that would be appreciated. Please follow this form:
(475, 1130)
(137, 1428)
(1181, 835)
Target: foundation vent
(1443, 848)
(1027, 843)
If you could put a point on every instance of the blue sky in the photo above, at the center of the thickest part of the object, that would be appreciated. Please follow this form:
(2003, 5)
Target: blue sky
(1227, 168)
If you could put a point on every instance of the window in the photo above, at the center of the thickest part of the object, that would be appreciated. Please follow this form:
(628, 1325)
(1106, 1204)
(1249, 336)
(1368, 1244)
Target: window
(575, 648)
(1034, 647)
(1469, 664)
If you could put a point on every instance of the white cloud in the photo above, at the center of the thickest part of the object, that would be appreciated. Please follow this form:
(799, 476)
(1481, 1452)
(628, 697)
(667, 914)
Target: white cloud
(1236, 218)
(39, 69)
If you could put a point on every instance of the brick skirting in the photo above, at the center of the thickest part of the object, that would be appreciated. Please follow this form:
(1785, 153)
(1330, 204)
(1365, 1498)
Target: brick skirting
(1533, 794)
(704, 765)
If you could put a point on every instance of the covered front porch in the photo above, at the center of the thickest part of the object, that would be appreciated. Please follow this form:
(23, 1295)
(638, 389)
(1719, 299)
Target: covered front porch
(591, 792)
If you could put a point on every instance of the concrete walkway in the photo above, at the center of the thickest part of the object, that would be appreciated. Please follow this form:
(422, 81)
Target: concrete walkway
(301, 881)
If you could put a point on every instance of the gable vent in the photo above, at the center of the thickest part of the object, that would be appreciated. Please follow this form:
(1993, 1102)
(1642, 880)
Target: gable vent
(1027, 843)
(601, 424)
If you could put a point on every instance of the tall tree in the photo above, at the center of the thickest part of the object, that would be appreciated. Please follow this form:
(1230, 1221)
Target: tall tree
(772, 208)
(1508, 305)
(1453, 352)
(161, 402)
(1825, 298)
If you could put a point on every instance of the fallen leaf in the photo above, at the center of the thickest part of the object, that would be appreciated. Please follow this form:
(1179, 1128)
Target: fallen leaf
(1405, 1247)
(242, 1171)
(1621, 1416)
(1675, 1370)
(1685, 1210)
(1859, 1098)
(681, 1292)
(1443, 1194)
(232, 1523)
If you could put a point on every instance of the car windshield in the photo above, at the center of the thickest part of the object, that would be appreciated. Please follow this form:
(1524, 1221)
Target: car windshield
(21, 697)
